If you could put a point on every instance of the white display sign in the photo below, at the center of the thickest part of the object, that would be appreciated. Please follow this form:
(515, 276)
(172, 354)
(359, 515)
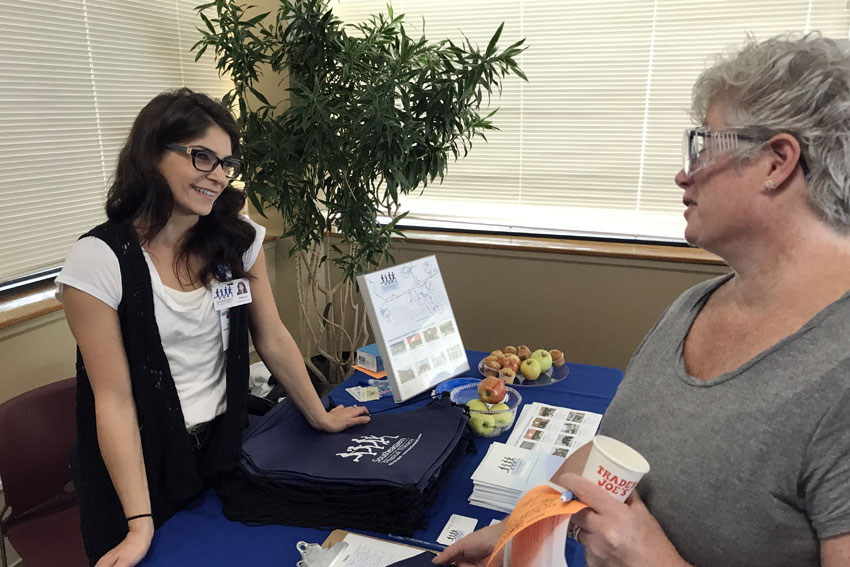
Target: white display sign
(414, 326)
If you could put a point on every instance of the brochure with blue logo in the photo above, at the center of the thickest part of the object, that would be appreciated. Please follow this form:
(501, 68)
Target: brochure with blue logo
(414, 327)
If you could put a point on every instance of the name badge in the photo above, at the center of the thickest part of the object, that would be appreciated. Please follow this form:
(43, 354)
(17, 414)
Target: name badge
(231, 293)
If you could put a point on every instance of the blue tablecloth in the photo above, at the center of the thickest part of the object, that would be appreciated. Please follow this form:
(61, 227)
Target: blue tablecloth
(201, 536)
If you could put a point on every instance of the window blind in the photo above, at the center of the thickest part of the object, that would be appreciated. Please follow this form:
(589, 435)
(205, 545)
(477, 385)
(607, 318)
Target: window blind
(591, 143)
(74, 75)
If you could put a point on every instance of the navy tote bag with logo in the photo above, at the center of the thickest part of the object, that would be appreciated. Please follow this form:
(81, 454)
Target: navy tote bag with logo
(380, 476)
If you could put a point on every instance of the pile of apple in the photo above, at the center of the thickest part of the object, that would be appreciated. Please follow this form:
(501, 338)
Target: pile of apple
(489, 416)
(511, 360)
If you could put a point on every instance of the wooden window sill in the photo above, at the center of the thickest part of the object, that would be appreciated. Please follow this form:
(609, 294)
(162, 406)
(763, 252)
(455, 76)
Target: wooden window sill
(28, 305)
(658, 252)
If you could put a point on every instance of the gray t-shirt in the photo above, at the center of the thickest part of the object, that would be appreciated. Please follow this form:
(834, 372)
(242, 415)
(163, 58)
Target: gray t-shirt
(751, 468)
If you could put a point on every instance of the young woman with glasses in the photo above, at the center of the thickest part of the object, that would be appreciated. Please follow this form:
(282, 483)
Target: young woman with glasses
(162, 364)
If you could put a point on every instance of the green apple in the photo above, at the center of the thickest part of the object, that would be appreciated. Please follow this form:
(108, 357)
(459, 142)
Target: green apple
(530, 368)
(544, 358)
(482, 424)
(502, 419)
(476, 405)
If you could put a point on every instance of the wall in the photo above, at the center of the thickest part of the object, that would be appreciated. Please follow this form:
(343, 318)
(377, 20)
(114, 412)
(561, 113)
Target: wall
(35, 353)
(596, 309)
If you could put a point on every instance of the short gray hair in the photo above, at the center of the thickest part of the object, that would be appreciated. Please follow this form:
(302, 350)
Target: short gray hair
(799, 85)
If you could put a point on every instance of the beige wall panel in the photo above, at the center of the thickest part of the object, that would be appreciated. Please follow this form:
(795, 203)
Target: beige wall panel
(35, 353)
(595, 309)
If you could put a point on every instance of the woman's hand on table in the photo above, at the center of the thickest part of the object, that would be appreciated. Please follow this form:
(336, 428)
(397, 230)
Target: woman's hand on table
(341, 418)
(618, 534)
(474, 549)
(132, 548)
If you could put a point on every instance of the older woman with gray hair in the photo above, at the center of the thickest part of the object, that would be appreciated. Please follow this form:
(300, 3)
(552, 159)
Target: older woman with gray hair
(739, 396)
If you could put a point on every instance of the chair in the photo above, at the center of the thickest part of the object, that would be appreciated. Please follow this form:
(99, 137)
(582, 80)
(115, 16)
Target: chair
(40, 516)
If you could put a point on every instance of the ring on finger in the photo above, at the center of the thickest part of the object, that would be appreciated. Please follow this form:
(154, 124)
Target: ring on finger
(573, 532)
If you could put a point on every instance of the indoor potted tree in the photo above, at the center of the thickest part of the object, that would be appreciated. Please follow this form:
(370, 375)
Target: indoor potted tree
(372, 114)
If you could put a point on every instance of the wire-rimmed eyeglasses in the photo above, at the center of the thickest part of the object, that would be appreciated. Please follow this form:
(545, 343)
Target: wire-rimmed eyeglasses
(206, 161)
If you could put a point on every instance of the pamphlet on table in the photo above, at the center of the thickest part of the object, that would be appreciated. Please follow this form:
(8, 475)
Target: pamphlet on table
(414, 326)
(506, 473)
(555, 430)
(542, 437)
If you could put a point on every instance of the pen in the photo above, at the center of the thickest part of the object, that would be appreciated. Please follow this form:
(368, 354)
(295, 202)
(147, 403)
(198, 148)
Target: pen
(566, 495)
(430, 544)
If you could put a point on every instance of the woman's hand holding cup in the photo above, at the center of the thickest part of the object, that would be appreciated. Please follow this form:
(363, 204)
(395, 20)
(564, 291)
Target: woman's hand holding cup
(618, 534)
(616, 529)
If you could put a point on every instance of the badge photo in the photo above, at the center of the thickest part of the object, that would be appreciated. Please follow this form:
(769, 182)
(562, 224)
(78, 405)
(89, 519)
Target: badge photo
(231, 293)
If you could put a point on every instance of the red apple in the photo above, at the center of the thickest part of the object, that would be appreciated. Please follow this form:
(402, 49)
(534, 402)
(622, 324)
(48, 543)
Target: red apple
(511, 361)
(491, 390)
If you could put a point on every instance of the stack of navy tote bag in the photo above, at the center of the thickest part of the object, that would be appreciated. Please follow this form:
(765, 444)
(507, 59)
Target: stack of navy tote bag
(381, 476)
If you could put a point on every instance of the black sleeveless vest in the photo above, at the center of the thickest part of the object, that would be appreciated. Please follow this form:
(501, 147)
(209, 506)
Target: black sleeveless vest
(174, 473)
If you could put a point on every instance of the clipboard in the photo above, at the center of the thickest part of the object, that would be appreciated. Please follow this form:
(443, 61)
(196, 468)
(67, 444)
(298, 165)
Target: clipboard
(334, 546)
(338, 535)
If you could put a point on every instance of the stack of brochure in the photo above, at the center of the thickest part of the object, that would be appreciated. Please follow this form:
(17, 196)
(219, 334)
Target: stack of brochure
(506, 473)
(543, 436)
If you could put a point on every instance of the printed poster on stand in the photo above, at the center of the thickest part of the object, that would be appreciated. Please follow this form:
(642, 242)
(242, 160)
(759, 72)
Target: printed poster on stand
(414, 326)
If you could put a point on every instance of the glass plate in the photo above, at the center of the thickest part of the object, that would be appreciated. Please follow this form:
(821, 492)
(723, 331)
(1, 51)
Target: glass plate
(554, 374)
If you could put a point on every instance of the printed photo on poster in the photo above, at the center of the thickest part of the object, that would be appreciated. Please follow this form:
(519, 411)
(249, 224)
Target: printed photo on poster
(431, 334)
(414, 341)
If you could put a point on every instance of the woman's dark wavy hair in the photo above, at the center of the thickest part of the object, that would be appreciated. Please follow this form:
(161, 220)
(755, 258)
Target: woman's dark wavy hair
(140, 194)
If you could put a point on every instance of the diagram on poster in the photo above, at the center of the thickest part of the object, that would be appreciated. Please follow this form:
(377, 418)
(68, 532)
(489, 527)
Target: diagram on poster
(413, 323)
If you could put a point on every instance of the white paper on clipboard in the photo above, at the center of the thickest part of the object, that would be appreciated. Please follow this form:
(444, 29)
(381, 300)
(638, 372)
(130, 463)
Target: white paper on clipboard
(365, 551)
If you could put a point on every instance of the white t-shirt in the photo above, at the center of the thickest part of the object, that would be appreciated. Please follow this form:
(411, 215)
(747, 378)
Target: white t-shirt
(189, 326)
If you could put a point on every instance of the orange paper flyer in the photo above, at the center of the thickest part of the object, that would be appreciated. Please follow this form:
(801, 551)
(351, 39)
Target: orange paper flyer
(380, 374)
(539, 503)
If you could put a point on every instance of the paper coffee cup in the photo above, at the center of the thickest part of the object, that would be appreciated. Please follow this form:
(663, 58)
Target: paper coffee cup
(614, 466)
